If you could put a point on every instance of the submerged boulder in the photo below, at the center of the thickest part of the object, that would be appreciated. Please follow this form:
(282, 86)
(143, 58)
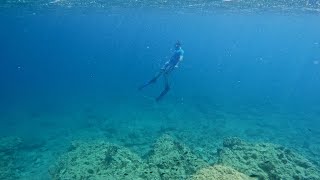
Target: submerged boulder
(174, 160)
(266, 161)
(101, 160)
(8, 150)
(218, 172)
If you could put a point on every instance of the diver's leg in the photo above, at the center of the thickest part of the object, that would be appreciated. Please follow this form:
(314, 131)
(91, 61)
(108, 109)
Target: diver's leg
(153, 80)
(166, 87)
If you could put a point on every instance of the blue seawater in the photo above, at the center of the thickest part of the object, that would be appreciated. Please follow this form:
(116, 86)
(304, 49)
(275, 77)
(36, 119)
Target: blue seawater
(72, 74)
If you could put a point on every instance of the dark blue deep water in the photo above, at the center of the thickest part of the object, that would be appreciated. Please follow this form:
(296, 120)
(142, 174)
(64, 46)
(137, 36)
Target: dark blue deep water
(73, 74)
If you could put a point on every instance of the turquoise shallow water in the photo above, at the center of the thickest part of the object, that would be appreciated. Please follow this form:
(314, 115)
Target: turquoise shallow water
(71, 75)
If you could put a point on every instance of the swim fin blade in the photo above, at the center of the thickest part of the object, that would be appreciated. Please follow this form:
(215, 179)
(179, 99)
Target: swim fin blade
(163, 93)
(147, 84)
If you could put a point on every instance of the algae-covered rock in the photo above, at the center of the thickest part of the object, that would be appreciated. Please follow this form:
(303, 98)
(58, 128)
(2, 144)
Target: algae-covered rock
(101, 160)
(174, 160)
(9, 144)
(8, 150)
(266, 161)
(219, 172)
(230, 142)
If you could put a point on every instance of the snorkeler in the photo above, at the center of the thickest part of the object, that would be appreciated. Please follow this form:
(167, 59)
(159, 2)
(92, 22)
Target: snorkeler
(168, 67)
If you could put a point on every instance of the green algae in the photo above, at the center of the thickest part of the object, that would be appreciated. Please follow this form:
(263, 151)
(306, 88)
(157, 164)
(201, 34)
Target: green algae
(266, 161)
(8, 150)
(170, 159)
(174, 160)
(218, 172)
(101, 160)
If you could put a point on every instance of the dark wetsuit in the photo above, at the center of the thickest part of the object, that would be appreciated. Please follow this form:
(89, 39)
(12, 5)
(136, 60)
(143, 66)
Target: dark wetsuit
(174, 60)
(165, 70)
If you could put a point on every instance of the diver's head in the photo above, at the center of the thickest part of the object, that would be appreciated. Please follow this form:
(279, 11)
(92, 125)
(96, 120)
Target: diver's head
(177, 45)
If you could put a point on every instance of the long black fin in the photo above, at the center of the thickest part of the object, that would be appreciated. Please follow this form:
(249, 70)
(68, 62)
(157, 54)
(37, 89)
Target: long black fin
(147, 84)
(163, 93)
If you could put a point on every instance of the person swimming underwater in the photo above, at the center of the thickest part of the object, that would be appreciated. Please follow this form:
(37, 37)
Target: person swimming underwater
(168, 67)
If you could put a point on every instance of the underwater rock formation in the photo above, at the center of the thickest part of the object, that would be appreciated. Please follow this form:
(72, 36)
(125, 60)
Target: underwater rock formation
(266, 161)
(9, 144)
(174, 160)
(8, 150)
(218, 172)
(101, 160)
